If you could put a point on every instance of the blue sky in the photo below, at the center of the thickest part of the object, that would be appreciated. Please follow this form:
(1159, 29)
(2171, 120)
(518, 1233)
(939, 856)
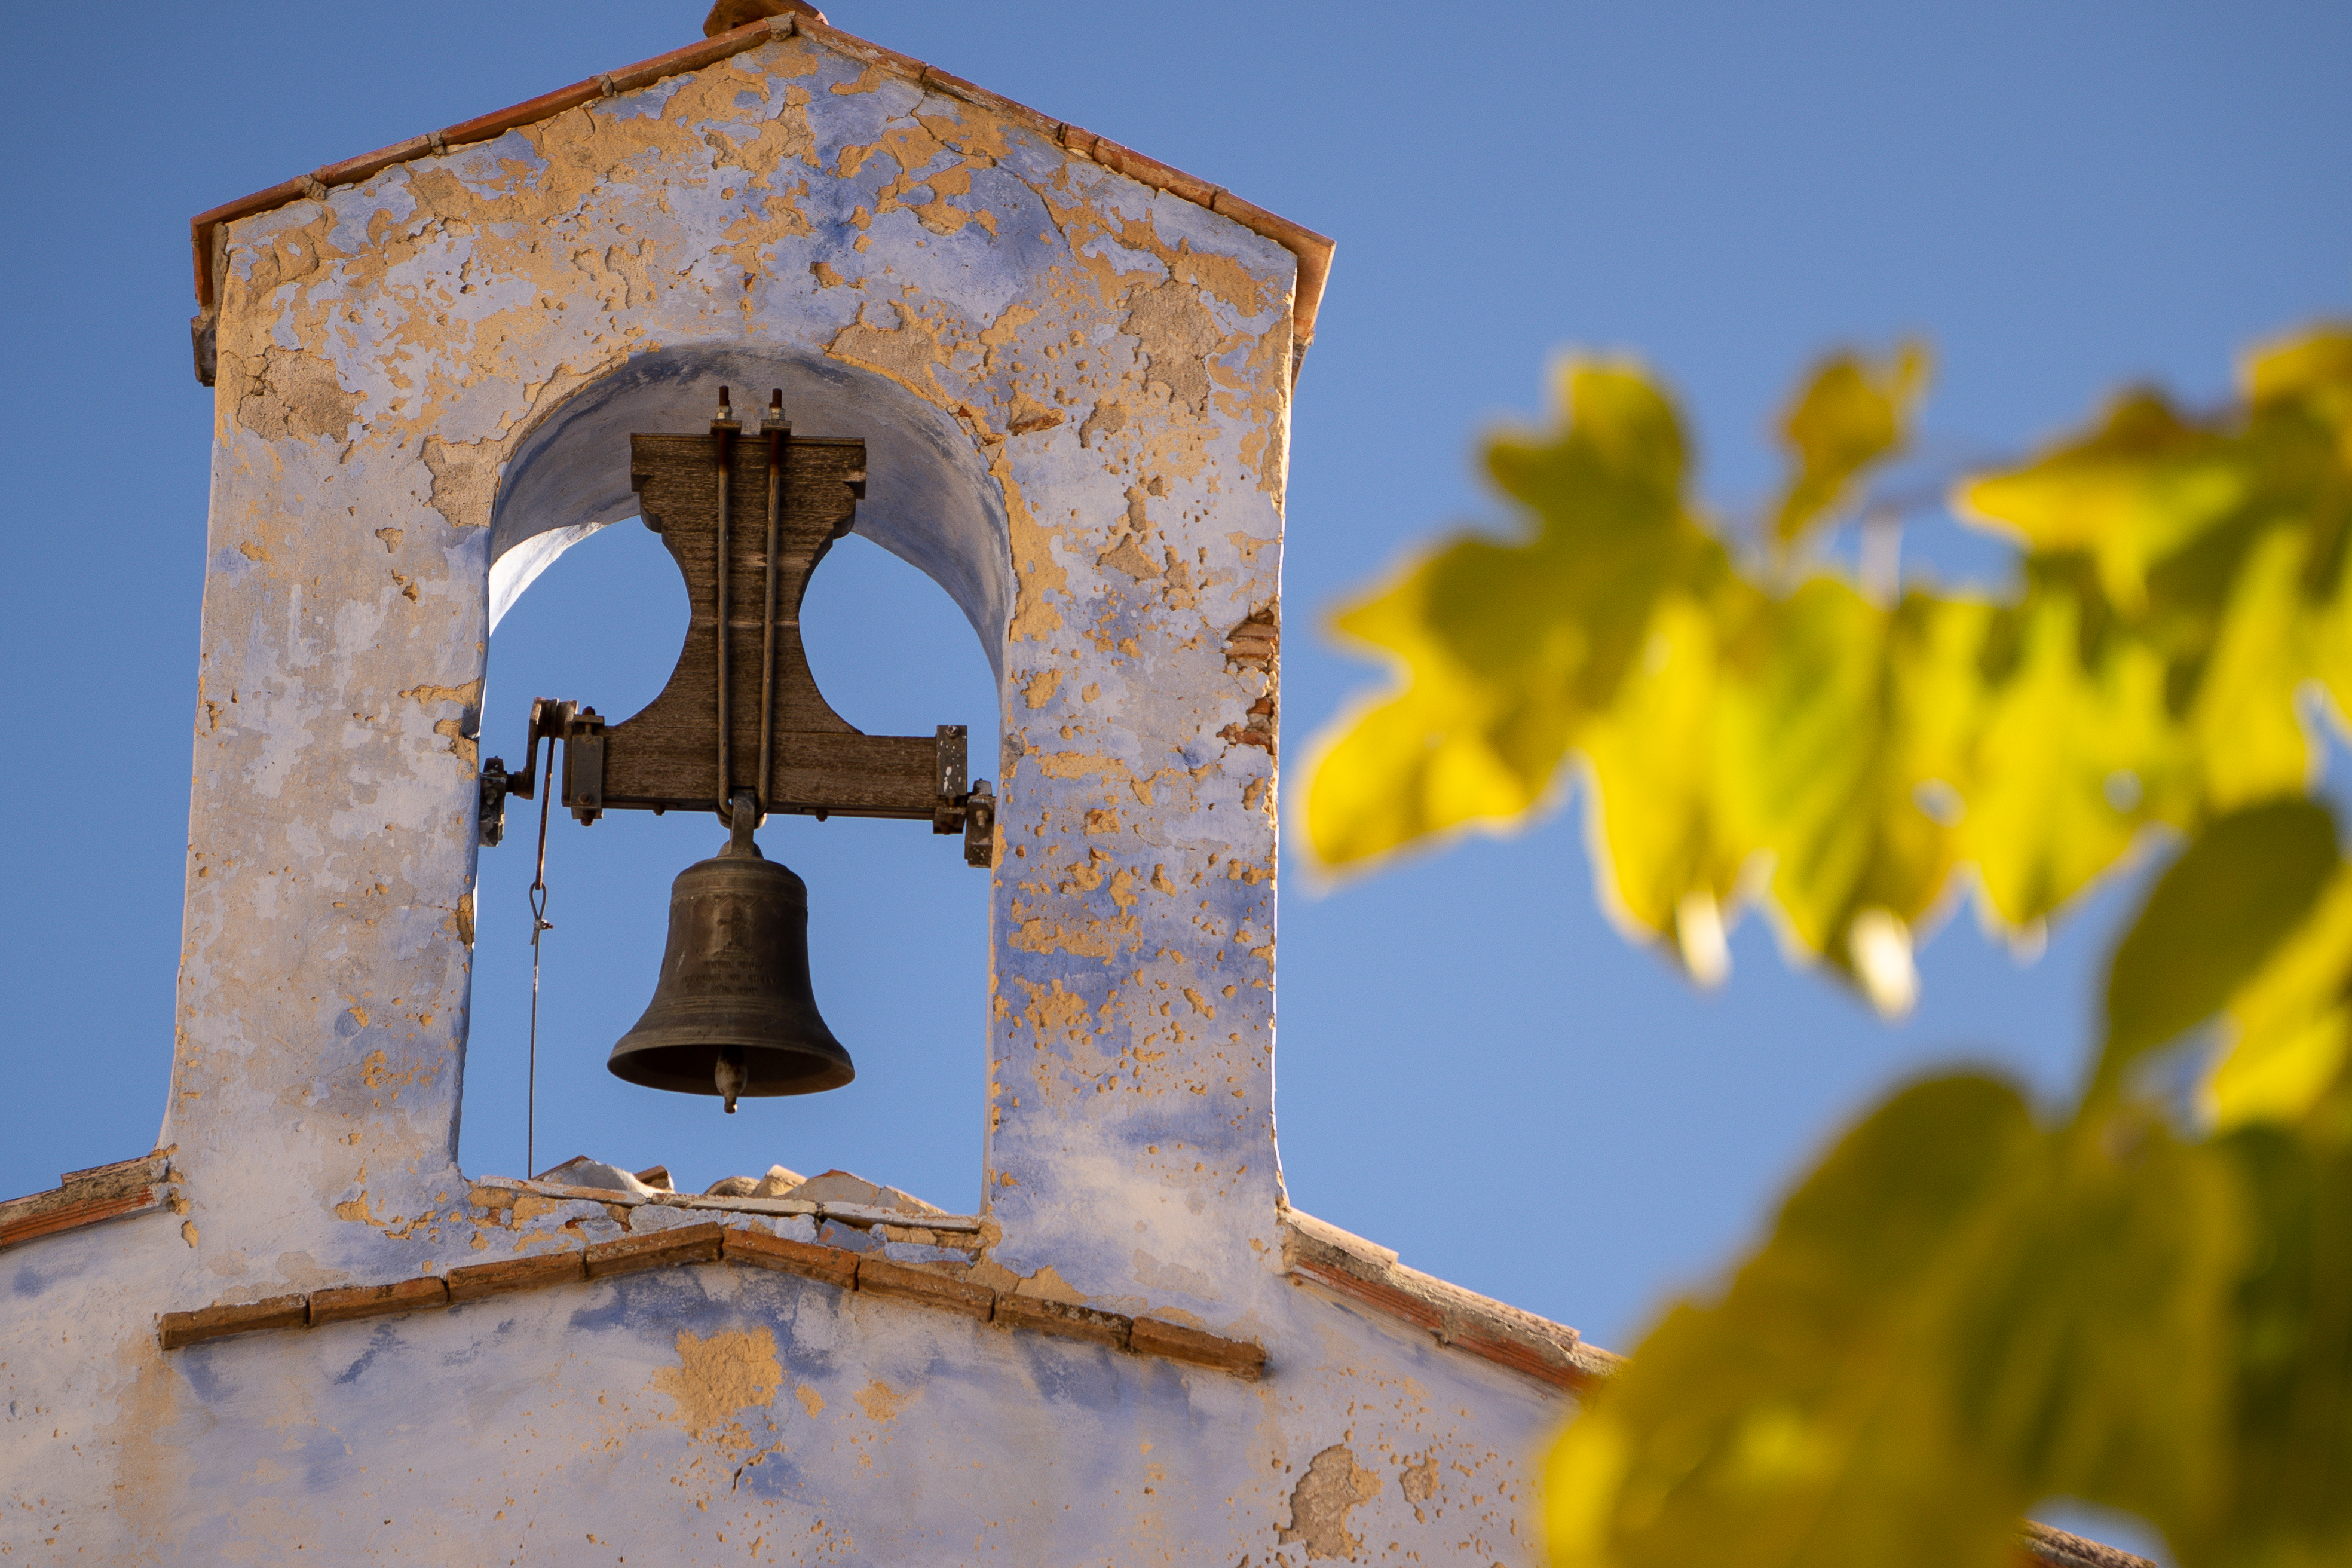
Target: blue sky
(1473, 1068)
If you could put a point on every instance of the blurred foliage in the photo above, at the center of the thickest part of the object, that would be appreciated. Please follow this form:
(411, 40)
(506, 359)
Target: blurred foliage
(1758, 723)
(1968, 1306)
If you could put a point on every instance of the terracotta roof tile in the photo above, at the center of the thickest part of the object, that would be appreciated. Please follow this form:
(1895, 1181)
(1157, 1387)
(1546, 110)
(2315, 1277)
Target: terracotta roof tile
(88, 1197)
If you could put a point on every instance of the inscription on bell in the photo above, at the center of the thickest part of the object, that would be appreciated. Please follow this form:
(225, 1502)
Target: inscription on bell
(736, 960)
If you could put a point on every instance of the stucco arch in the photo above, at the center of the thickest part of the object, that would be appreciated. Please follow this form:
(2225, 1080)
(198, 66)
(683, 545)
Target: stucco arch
(929, 498)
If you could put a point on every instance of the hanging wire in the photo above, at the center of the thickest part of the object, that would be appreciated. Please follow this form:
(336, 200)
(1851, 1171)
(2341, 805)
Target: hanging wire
(539, 922)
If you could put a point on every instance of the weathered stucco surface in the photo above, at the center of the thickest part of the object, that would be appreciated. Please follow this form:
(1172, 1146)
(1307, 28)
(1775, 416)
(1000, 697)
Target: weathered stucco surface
(1077, 392)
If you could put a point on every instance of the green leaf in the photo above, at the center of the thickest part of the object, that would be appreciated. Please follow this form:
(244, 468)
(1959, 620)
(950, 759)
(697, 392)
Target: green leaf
(1957, 1315)
(2115, 1255)
(1802, 1420)
(2244, 883)
(1851, 414)
(2289, 1432)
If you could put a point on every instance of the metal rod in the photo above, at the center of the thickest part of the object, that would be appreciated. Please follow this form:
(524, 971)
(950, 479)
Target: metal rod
(775, 432)
(721, 428)
(539, 922)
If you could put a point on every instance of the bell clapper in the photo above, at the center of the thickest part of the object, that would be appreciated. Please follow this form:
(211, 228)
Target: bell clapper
(733, 1079)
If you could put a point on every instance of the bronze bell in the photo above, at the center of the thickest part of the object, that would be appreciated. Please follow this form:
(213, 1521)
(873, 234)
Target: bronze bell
(732, 1013)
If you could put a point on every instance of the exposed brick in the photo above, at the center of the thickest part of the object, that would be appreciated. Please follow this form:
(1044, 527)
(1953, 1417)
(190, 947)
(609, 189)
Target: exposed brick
(347, 1301)
(757, 1249)
(694, 57)
(937, 80)
(546, 106)
(1061, 1318)
(859, 48)
(178, 1328)
(276, 196)
(1530, 1354)
(86, 1197)
(726, 15)
(476, 1280)
(1319, 1254)
(132, 1171)
(1148, 171)
(687, 1244)
(1149, 1336)
(1375, 1293)
(879, 1276)
(1313, 250)
(352, 170)
(2039, 1546)
(1294, 236)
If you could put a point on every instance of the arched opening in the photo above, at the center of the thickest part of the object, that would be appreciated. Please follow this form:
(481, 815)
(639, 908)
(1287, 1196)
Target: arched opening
(930, 499)
(898, 922)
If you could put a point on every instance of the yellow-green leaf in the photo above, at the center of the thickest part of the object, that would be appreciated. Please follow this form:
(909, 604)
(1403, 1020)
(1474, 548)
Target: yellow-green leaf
(2136, 491)
(2249, 741)
(1851, 414)
(1504, 650)
(1835, 717)
(2291, 1022)
(1667, 860)
(2072, 759)
(2313, 367)
(2187, 578)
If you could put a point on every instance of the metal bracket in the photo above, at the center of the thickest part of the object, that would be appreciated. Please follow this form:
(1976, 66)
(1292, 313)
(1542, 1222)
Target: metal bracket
(979, 826)
(548, 716)
(492, 825)
(948, 816)
(970, 812)
(581, 785)
(584, 765)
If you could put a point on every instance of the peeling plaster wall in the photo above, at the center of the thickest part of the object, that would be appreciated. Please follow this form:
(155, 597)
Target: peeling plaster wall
(711, 1415)
(1075, 390)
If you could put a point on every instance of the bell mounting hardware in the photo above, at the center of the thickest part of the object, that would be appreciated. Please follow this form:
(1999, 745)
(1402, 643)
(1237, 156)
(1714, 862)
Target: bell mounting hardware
(741, 711)
(739, 730)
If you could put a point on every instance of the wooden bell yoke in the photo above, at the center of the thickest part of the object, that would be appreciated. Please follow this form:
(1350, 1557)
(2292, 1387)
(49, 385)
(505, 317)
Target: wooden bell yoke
(747, 517)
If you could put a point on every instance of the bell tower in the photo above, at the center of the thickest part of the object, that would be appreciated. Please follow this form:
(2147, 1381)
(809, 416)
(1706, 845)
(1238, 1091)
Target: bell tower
(1061, 375)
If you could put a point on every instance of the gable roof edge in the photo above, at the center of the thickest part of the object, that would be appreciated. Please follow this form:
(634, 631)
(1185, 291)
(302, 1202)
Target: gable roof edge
(1312, 249)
